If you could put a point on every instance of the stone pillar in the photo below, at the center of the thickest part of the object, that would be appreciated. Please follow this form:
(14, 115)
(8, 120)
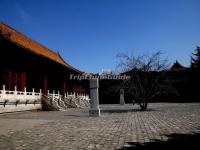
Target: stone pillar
(15, 92)
(94, 95)
(122, 102)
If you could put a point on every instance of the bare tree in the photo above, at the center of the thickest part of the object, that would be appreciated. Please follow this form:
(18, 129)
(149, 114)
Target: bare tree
(195, 60)
(147, 76)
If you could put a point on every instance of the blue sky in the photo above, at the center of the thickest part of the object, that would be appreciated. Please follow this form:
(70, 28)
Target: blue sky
(90, 33)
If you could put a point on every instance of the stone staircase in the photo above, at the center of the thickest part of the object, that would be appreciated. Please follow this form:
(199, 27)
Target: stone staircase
(59, 102)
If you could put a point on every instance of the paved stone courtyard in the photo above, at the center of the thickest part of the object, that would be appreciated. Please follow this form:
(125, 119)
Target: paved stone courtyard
(74, 129)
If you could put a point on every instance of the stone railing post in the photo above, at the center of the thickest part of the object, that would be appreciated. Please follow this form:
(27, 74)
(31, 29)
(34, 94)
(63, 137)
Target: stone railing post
(74, 95)
(15, 92)
(3, 91)
(122, 102)
(40, 93)
(53, 95)
(25, 93)
(33, 94)
(67, 94)
(94, 94)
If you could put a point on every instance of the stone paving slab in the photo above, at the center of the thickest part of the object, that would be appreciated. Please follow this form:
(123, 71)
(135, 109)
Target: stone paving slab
(74, 129)
(12, 125)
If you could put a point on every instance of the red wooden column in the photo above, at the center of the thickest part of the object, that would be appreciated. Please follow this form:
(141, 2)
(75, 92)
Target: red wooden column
(23, 80)
(45, 85)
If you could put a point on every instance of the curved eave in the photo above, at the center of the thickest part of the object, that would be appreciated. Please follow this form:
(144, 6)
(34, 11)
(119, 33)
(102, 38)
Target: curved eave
(63, 64)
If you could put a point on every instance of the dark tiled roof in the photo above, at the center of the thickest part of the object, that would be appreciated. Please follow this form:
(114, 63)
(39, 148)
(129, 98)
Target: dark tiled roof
(177, 66)
(34, 47)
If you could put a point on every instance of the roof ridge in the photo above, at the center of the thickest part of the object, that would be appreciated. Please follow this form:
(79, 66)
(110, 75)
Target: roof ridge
(33, 46)
(62, 58)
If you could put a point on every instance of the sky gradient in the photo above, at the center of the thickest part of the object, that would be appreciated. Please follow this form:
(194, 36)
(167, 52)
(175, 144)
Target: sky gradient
(89, 34)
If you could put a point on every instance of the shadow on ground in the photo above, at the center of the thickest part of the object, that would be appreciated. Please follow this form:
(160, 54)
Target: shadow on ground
(175, 141)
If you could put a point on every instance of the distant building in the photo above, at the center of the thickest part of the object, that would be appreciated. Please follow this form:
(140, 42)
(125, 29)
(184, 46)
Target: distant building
(178, 67)
(105, 72)
(181, 78)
